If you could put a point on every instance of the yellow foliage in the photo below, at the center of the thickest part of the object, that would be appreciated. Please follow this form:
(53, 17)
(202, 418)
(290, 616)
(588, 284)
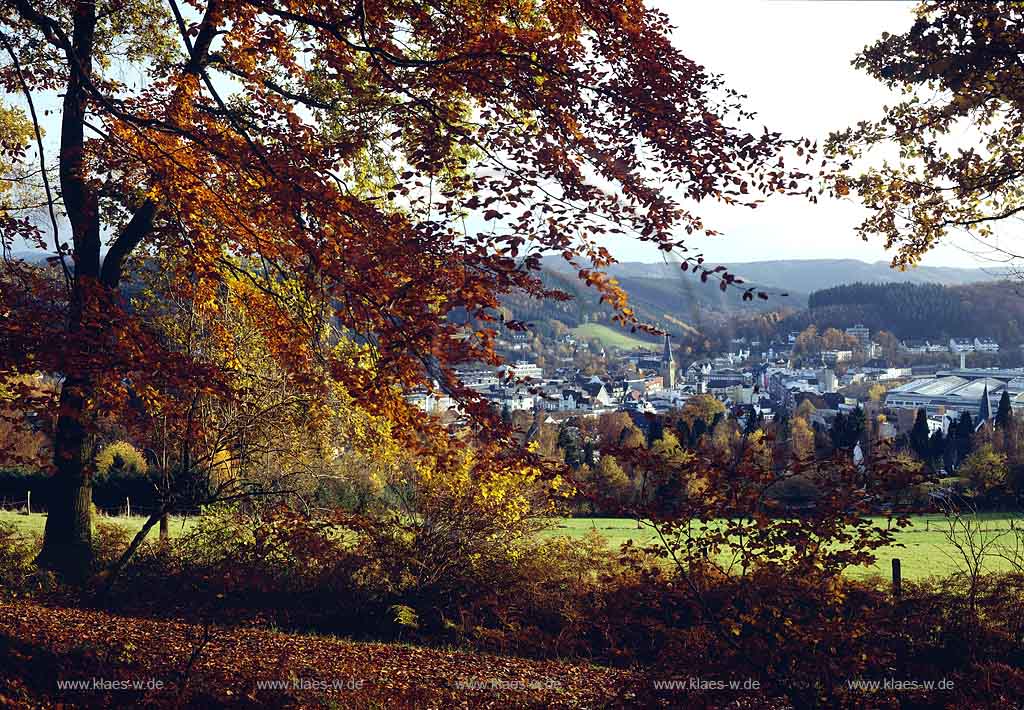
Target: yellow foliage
(120, 453)
(703, 406)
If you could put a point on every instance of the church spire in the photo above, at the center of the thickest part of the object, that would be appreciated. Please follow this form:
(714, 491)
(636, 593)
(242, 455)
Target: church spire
(668, 365)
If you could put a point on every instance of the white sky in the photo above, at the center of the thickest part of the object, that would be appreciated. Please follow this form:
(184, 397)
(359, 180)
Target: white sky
(792, 59)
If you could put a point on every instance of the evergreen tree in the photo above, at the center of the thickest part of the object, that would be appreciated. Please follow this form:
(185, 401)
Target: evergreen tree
(838, 431)
(753, 423)
(936, 447)
(964, 433)
(1004, 414)
(847, 430)
(950, 458)
(857, 424)
(587, 456)
(781, 424)
(920, 437)
(698, 430)
(655, 431)
(684, 433)
(568, 443)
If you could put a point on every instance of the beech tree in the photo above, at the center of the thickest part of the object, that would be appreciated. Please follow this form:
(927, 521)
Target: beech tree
(957, 128)
(400, 160)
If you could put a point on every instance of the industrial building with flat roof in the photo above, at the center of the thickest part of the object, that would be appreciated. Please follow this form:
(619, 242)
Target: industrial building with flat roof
(956, 393)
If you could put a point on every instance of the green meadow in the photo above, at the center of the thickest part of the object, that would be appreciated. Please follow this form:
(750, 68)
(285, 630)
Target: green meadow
(35, 523)
(924, 548)
(611, 337)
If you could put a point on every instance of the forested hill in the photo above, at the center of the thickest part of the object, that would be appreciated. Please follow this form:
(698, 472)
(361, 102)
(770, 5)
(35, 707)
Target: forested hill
(920, 311)
(675, 303)
(664, 295)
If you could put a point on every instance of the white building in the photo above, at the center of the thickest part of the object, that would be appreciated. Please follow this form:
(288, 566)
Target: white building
(522, 369)
(431, 402)
(827, 381)
(861, 333)
(832, 357)
(986, 345)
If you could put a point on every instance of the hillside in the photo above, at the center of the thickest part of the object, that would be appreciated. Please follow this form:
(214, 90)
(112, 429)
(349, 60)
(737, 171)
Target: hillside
(679, 303)
(919, 311)
(959, 299)
(611, 336)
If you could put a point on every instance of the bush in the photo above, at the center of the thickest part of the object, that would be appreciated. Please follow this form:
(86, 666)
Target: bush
(16, 555)
(120, 458)
(109, 541)
(18, 552)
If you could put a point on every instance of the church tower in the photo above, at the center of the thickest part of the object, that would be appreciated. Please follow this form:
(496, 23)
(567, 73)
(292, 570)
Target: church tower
(668, 365)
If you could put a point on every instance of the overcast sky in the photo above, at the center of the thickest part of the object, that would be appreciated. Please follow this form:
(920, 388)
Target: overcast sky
(792, 59)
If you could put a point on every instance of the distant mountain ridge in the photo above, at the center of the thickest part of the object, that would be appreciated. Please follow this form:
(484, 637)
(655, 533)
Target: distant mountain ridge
(797, 277)
(802, 276)
(663, 295)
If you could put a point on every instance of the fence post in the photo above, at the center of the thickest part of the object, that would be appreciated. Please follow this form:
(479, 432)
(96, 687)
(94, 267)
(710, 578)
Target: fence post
(28, 503)
(128, 506)
(897, 579)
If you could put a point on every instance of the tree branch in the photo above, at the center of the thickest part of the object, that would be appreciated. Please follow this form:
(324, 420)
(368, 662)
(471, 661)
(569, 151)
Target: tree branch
(134, 232)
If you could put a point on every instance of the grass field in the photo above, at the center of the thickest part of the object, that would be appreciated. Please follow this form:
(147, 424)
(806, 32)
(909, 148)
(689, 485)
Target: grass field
(610, 337)
(33, 524)
(925, 550)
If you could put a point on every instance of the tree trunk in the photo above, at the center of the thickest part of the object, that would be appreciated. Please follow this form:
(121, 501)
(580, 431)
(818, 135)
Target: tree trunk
(67, 540)
(110, 575)
(165, 528)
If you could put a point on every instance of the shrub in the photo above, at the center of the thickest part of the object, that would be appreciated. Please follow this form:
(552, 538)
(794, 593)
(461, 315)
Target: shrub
(120, 459)
(18, 572)
(15, 556)
(109, 541)
(121, 476)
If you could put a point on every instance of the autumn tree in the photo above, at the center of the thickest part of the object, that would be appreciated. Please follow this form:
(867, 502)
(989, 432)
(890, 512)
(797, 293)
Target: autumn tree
(400, 161)
(835, 339)
(614, 427)
(889, 343)
(802, 437)
(805, 409)
(704, 407)
(957, 67)
(985, 468)
(612, 483)
(24, 445)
